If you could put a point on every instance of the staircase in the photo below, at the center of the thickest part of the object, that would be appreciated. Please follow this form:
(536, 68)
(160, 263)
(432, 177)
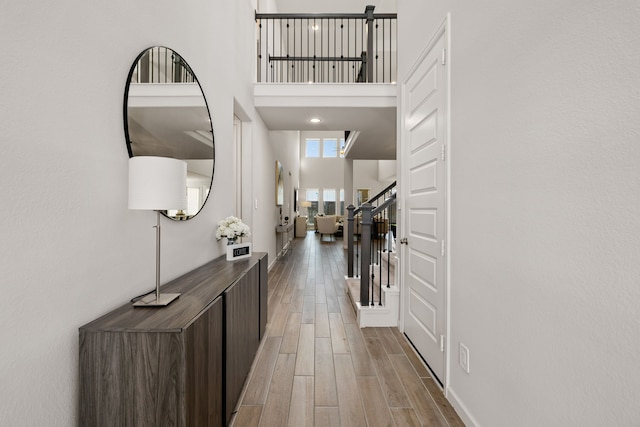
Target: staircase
(385, 311)
(374, 295)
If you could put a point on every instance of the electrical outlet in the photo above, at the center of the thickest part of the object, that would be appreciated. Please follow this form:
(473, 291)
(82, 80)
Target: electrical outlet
(463, 357)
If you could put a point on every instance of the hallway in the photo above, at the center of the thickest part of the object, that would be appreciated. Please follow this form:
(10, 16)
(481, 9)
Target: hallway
(315, 367)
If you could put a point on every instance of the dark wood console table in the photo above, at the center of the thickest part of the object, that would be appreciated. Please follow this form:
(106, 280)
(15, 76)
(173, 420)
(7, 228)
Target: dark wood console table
(181, 365)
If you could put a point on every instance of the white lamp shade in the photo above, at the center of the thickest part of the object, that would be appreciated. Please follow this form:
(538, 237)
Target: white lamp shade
(157, 183)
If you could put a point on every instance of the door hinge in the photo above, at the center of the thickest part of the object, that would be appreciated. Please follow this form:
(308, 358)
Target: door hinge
(442, 248)
(441, 342)
(443, 152)
(444, 56)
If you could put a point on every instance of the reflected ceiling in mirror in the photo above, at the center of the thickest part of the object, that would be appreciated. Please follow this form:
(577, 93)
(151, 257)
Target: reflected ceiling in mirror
(166, 115)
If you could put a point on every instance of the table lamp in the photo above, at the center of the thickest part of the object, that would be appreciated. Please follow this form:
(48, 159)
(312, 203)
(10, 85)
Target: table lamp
(157, 183)
(306, 204)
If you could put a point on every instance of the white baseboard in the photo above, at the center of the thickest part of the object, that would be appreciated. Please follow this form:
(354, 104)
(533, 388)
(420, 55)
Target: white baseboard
(461, 409)
(381, 316)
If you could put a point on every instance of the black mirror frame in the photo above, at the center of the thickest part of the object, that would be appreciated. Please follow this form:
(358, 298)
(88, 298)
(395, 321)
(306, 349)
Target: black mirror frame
(126, 119)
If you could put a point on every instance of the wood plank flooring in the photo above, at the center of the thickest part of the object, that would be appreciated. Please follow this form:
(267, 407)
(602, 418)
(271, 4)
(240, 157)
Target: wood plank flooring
(316, 367)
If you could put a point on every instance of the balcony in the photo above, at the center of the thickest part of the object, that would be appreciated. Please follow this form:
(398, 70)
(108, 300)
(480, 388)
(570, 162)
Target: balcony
(327, 48)
(338, 67)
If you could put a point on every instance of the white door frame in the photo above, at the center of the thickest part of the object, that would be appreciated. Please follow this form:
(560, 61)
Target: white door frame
(445, 27)
(238, 167)
(243, 166)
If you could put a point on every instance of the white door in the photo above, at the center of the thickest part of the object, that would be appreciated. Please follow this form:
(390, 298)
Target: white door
(423, 189)
(237, 158)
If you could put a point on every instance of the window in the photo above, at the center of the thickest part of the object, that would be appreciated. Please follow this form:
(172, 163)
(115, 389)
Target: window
(330, 147)
(312, 148)
(312, 211)
(329, 201)
(342, 202)
(324, 147)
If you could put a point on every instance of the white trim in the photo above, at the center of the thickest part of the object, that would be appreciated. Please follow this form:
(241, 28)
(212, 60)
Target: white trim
(461, 409)
(324, 95)
(449, 349)
(163, 95)
(237, 165)
(381, 316)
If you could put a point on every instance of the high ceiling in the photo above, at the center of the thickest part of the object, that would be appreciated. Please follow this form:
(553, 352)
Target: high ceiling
(375, 126)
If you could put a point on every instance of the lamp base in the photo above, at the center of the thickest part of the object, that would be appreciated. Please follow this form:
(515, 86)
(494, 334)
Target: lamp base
(151, 300)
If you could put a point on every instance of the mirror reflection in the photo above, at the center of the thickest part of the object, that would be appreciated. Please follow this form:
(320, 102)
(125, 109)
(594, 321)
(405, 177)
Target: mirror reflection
(166, 114)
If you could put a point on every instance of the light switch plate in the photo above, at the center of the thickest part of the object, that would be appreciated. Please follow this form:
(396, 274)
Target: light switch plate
(463, 357)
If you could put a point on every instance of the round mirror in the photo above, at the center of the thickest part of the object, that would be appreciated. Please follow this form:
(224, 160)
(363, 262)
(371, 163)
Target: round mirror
(166, 115)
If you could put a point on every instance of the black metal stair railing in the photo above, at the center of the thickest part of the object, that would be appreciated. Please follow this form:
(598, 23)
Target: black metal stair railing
(370, 238)
(162, 65)
(326, 48)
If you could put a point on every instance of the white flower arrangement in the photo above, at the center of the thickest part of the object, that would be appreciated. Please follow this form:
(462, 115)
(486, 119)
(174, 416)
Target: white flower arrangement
(231, 228)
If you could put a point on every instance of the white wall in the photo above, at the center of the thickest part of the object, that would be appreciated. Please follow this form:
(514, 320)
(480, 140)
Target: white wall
(286, 150)
(71, 250)
(285, 145)
(366, 175)
(259, 155)
(387, 170)
(545, 206)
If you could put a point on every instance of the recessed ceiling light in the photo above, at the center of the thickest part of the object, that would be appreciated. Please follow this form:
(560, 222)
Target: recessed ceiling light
(314, 120)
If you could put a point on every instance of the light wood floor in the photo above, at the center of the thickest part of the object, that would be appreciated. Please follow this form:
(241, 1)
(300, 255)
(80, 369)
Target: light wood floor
(315, 367)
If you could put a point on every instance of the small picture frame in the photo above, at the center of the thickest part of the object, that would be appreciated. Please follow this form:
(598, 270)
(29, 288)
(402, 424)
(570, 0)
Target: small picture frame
(238, 251)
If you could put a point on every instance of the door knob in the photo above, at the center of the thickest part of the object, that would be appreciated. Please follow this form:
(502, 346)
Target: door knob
(404, 241)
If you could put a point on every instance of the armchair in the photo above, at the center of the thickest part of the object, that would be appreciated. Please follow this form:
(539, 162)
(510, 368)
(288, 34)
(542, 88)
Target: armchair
(327, 225)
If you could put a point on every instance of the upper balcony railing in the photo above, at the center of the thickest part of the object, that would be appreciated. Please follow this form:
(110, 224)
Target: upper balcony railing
(327, 48)
(161, 65)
